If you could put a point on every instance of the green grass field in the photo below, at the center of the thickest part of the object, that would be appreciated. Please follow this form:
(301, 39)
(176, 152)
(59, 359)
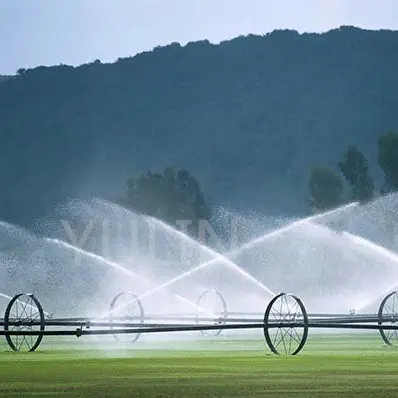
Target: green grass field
(354, 365)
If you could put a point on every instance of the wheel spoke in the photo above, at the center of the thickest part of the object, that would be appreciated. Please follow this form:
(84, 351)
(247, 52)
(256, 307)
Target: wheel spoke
(24, 314)
(128, 307)
(283, 310)
(210, 304)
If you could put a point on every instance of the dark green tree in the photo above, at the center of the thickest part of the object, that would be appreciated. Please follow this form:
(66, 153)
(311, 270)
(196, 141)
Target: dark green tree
(388, 161)
(326, 189)
(354, 168)
(171, 196)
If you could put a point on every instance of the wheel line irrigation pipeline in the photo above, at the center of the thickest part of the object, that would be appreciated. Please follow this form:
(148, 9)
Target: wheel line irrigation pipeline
(291, 325)
(186, 328)
(87, 322)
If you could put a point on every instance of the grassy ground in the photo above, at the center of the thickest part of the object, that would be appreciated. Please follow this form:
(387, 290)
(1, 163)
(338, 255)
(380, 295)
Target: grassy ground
(355, 365)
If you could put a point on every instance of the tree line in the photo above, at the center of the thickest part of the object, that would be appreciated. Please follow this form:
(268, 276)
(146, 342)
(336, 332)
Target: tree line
(175, 194)
(326, 187)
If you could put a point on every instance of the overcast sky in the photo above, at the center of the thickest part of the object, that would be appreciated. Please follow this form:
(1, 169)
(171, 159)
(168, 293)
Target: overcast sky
(50, 32)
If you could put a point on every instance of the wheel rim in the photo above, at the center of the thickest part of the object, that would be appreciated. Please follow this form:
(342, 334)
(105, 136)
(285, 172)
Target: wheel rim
(127, 306)
(24, 313)
(388, 315)
(288, 312)
(204, 300)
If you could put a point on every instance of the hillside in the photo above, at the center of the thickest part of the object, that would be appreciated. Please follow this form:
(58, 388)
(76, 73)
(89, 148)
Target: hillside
(248, 117)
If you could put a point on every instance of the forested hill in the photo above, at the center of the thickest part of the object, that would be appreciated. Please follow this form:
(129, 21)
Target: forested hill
(247, 117)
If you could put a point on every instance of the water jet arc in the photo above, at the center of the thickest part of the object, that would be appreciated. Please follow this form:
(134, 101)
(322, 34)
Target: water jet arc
(117, 266)
(245, 246)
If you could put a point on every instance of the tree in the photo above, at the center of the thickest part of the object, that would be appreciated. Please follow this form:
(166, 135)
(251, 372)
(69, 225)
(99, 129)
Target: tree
(326, 189)
(171, 196)
(388, 161)
(354, 167)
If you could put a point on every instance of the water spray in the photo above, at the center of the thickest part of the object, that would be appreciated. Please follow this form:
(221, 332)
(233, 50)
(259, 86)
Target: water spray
(224, 258)
(117, 266)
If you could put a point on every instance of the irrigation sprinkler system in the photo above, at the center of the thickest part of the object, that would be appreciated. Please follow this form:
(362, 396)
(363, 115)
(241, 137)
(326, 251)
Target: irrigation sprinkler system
(285, 322)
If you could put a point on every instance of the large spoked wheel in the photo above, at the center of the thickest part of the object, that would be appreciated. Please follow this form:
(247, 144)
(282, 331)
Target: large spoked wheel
(126, 307)
(388, 315)
(211, 304)
(24, 314)
(285, 324)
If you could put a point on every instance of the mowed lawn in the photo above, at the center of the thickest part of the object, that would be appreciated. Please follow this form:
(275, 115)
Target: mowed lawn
(329, 366)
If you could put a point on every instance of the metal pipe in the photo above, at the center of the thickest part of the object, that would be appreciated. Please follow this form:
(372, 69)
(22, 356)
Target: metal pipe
(183, 328)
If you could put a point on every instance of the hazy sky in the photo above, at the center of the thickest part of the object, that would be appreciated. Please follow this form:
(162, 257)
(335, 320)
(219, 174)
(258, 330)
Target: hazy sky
(50, 32)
